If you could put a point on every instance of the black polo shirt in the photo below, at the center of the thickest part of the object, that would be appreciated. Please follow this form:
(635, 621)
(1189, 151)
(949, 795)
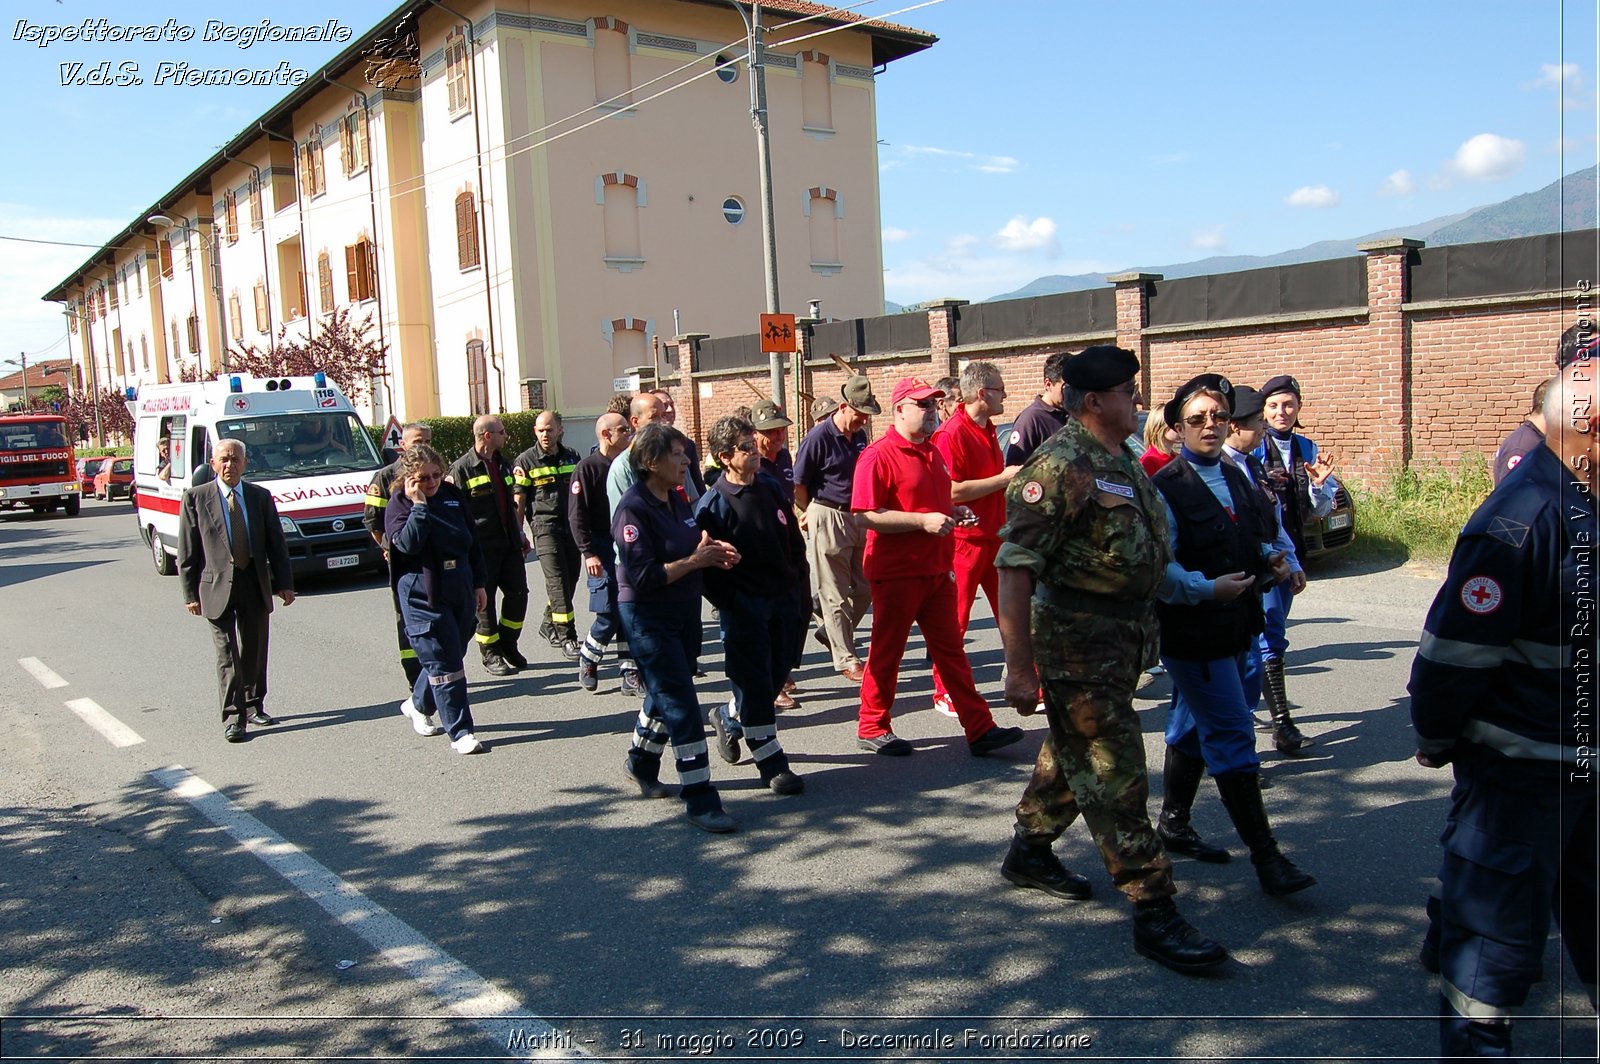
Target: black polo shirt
(826, 463)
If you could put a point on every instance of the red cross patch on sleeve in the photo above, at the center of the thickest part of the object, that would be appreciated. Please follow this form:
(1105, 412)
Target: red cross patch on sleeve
(1481, 594)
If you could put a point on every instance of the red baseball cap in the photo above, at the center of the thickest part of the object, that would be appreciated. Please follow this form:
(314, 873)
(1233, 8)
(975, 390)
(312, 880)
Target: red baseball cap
(913, 388)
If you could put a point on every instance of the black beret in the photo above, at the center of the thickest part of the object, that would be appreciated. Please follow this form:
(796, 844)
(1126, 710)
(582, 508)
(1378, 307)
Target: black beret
(1095, 369)
(1215, 381)
(1281, 383)
(1247, 402)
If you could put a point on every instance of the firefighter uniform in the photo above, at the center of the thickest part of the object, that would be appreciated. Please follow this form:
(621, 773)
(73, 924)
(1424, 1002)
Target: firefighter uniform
(489, 491)
(377, 503)
(543, 481)
(1502, 688)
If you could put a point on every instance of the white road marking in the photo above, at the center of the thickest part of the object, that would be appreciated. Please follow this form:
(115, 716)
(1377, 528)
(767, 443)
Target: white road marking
(42, 672)
(462, 990)
(110, 728)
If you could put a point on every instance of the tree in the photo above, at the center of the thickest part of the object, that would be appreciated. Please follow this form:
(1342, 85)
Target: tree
(114, 420)
(342, 348)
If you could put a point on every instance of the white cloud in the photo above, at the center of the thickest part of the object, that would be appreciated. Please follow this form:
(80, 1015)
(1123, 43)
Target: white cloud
(1312, 196)
(1399, 183)
(892, 235)
(1019, 234)
(968, 276)
(1208, 239)
(1557, 76)
(954, 159)
(1488, 157)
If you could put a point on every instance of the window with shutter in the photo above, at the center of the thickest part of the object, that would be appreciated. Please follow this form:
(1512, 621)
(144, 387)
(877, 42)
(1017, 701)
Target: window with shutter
(477, 378)
(230, 216)
(324, 282)
(173, 351)
(455, 72)
(261, 306)
(194, 334)
(164, 254)
(466, 231)
(235, 315)
(313, 180)
(257, 219)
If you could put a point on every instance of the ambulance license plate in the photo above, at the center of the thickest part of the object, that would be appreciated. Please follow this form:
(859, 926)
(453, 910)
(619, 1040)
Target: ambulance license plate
(1338, 521)
(344, 561)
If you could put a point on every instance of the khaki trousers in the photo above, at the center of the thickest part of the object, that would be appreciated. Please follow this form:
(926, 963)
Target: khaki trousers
(834, 549)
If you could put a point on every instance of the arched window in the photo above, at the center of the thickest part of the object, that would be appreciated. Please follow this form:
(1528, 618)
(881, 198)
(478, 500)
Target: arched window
(630, 344)
(613, 65)
(816, 92)
(823, 210)
(620, 197)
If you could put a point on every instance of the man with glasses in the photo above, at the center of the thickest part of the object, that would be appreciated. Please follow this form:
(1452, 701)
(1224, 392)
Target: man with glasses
(978, 477)
(485, 474)
(589, 515)
(902, 497)
(1084, 550)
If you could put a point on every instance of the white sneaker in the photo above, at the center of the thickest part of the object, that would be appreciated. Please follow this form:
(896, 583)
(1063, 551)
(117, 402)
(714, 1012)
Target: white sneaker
(423, 724)
(945, 706)
(467, 744)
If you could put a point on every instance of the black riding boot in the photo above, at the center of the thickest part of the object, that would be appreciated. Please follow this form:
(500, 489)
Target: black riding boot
(1241, 794)
(1285, 736)
(1180, 782)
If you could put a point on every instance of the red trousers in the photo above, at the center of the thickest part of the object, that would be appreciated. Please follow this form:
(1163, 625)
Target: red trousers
(974, 569)
(930, 603)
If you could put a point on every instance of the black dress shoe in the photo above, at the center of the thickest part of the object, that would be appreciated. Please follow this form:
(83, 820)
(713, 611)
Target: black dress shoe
(259, 717)
(496, 665)
(995, 738)
(648, 786)
(1038, 867)
(235, 733)
(513, 656)
(715, 821)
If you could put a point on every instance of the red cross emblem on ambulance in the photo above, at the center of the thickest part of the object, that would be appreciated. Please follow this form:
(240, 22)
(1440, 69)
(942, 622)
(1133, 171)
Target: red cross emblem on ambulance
(239, 402)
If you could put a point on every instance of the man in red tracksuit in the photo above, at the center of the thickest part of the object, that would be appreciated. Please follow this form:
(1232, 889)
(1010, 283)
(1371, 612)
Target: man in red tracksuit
(901, 495)
(978, 477)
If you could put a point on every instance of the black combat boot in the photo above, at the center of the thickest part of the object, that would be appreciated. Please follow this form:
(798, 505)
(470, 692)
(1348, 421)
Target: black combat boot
(1161, 933)
(1241, 795)
(1037, 866)
(1285, 736)
(1180, 782)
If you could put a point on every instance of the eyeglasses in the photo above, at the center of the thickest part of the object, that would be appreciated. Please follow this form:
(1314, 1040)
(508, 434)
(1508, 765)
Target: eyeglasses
(924, 404)
(427, 478)
(1000, 391)
(1214, 417)
(747, 447)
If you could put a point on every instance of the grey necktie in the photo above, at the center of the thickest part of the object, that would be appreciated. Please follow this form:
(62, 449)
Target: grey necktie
(237, 532)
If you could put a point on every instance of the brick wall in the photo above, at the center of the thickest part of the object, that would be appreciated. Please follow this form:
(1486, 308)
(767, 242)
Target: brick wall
(1385, 383)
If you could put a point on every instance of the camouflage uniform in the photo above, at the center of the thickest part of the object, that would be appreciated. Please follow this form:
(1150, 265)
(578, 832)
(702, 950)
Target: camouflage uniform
(1090, 528)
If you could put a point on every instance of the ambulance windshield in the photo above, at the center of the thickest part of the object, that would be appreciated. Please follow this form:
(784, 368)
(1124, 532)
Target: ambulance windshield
(288, 445)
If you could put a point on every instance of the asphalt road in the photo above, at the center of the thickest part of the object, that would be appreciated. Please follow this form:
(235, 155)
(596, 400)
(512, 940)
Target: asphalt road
(354, 890)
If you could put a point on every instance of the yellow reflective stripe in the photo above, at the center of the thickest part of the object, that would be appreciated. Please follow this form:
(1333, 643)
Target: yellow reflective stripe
(521, 481)
(560, 618)
(377, 502)
(565, 469)
(492, 637)
(473, 482)
(407, 654)
(506, 622)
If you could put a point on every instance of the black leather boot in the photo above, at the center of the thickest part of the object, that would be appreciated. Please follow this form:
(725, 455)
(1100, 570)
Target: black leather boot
(1035, 866)
(1241, 794)
(1161, 933)
(1285, 736)
(1180, 782)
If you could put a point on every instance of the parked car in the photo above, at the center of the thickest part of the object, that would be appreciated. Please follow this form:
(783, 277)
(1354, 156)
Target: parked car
(114, 478)
(87, 468)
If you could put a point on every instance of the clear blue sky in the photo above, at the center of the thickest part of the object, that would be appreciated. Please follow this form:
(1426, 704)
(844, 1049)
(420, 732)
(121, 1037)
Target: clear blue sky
(1037, 136)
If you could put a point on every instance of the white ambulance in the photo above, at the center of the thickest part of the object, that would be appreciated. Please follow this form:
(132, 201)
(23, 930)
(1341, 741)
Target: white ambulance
(303, 442)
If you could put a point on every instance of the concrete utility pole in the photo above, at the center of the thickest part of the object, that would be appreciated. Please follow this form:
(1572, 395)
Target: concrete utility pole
(758, 116)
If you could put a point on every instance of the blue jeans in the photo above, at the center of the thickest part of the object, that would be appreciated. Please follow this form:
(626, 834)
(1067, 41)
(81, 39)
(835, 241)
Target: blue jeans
(665, 640)
(1210, 718)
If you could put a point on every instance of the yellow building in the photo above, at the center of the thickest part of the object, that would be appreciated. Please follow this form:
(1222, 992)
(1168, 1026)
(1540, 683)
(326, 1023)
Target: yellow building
(519, 205)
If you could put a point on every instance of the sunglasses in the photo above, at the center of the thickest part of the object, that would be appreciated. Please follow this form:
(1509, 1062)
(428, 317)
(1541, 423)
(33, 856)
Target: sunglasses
(1200, 421)
(924, 404)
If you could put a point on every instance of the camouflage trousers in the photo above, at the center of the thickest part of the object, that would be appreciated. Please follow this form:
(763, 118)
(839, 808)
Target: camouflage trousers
(1092, 763)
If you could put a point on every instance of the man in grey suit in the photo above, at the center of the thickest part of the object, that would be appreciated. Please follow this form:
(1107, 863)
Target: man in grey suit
(232, 558)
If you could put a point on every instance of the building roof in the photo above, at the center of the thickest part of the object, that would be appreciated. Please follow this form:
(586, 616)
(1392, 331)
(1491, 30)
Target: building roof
(889, 42)
(40, 374)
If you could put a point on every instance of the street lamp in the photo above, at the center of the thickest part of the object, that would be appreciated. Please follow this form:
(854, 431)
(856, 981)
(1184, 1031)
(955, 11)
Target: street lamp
(167, 222)
(758, 116)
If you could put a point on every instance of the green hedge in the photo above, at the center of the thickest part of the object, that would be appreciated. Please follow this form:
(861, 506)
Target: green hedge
(452, 436)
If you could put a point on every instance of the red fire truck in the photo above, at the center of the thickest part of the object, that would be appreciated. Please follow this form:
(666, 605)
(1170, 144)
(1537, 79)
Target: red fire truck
(36, 464)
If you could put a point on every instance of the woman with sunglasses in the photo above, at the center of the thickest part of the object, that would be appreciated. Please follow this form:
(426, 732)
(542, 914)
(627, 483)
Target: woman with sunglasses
(1210, 610)
(438, 575)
